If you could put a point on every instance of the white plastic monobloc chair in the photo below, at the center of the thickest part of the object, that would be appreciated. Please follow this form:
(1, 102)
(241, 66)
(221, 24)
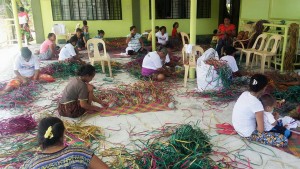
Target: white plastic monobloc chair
(98, 57)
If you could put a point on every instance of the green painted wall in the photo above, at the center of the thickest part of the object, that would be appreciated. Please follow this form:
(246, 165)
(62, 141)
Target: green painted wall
(112, 28)
(204, 26)
(120, 28)
(38, 20)
(270, 9)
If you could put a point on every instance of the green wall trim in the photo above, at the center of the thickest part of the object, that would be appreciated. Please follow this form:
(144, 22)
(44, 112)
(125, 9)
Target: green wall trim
(38, 20)
(136, 18)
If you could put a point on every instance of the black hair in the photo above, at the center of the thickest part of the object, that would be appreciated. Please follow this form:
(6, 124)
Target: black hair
(163, 27)
(157, 27)
(22, 9)
(227, 17)
(50, 35)
(84, 22)
(132, 27)
(86, 70)
(215, 31)
(101, 32)
(58, 129)
(229, 50)
(78, 30)
(267, 100)
(25, 52)
(73, 39)
(258, 82)
(174, 24)
(170, 44)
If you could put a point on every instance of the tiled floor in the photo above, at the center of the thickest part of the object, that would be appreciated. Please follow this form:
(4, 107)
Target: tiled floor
(188, 110)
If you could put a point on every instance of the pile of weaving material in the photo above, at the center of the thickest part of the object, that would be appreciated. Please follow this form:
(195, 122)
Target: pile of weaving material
(182, 146)
(116, 43)
(20, 97)
(223, 70)
(225, 95)
(141, 92)
(134, 67)
(69, 69)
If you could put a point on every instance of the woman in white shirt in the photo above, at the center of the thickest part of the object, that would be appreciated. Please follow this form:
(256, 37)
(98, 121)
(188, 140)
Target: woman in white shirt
(68, 52)
(248, 115)
(135, 42)
(153, 64)
(162, 35)
(26, 68)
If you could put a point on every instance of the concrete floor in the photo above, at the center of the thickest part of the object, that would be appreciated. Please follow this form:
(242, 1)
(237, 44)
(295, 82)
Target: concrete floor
(188, 110)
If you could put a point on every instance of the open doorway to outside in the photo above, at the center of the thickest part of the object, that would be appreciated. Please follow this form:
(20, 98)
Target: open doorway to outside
(230, 8)
(8, 35)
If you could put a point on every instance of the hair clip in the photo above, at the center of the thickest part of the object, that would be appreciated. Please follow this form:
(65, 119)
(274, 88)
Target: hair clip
(254, 82)
(48, 134)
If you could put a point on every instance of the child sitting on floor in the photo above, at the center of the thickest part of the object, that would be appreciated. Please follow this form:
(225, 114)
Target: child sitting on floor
(150, 34)
(229, 58)
(100, 35)
(271, 122)
(214, 39)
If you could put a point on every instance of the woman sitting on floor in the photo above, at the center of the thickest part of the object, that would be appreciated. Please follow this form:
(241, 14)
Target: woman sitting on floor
(26, 68)
(135, 42)
(81, 42)
(162, 36)
(153, 64)
(78, 95)
(248, 115)
(48, 48)
(68, 52)
(55, 154)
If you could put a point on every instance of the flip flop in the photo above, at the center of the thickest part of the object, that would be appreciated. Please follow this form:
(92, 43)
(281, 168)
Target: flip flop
(225, 126)
(227, 132)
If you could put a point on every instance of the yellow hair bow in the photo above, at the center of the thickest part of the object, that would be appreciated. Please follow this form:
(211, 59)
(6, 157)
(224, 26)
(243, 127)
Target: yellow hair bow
(49, 134)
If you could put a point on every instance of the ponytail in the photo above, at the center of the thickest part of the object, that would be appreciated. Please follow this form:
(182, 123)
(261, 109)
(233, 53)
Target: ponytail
(50, 132)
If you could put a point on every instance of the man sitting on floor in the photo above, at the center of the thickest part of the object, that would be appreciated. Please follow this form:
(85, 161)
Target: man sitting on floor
(153, 64)
(26, 68)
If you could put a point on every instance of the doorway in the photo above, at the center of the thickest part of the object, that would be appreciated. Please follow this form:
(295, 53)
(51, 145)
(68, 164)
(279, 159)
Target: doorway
(230, 8)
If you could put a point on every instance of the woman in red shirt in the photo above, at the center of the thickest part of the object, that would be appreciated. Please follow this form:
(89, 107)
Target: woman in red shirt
(174, 31)
(226, 32)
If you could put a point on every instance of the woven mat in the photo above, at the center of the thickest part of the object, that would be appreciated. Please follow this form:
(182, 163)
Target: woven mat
(142, 108)
(294, 144)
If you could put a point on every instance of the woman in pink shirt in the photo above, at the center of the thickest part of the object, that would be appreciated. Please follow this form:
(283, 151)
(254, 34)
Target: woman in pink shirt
(48, 48)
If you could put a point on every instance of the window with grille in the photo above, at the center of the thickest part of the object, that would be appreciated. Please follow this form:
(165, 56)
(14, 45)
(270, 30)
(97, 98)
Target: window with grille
(63, 10)
(180, 9)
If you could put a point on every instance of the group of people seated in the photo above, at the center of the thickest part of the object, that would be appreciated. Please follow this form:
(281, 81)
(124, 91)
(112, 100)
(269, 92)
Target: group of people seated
(252, 117)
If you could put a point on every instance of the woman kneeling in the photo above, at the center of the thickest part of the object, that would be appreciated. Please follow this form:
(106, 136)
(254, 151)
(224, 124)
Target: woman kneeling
(78, 95)
(153, 66)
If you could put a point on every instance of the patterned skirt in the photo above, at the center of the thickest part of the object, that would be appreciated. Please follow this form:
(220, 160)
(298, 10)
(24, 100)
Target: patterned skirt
(71, 109)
